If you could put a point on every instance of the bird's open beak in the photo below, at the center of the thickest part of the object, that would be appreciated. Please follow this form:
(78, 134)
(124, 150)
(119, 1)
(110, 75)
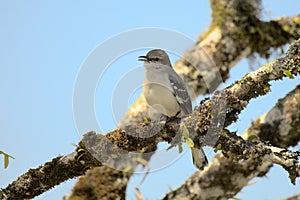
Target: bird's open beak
(143, 58)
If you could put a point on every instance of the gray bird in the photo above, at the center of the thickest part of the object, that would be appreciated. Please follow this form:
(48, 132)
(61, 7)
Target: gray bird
(166, 92)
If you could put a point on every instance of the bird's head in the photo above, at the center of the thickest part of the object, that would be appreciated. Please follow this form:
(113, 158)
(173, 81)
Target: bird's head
(156, 56)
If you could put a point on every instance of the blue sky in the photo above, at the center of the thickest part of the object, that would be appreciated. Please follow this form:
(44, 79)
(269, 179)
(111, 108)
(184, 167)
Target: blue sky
(44, 45)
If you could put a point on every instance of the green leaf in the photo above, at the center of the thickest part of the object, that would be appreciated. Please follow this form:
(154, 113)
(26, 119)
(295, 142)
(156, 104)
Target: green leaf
(80, 150)
(297, 19)
(189, 142)
(180, 148)
(250, 156)
(141, 160)
(217, 148)
(252, 30)
(6, 160)
(253, 137)
(286, 28)
(127, 169)
(288, 74)
(185, 132)
(143, 149)
(186, 136)
(146, 121)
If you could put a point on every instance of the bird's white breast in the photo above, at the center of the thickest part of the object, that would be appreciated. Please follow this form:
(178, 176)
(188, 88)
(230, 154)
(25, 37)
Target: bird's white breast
(158, 93)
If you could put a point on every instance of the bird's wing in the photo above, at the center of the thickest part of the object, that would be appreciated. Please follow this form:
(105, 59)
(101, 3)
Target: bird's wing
(181, 93)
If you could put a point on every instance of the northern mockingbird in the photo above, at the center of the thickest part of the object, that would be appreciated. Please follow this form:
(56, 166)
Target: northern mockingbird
(166, 92)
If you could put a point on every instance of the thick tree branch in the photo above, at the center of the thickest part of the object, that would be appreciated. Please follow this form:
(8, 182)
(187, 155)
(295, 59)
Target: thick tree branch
(107, 185)
(208, 62)
(224, 177)
(281, 125)
(205, 65)
(285, 114)
(37, 181)
(226, 45)
(241, 34)
(105, 148)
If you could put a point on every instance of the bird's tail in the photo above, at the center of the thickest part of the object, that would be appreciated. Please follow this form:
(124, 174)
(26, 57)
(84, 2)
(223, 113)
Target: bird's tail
(199, 158)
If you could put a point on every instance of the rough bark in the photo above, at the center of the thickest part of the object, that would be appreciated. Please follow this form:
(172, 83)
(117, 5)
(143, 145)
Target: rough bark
(207, 64)
(237, 97)
(106, 184)
(236, 32)
(281, 125)
(37, 181)
(219, 179)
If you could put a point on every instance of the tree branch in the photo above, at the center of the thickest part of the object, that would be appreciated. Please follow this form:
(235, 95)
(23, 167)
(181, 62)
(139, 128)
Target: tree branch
(37, 181)
(295, 197)
(217, 51)
(236, 40)
(225, 177)
(285, 114)
(207, 64)
(106, 148)
(281, 125)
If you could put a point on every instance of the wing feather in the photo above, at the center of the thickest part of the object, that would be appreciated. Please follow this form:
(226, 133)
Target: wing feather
(181, 93)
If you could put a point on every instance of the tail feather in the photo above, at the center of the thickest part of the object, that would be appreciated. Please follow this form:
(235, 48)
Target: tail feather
(199, 158)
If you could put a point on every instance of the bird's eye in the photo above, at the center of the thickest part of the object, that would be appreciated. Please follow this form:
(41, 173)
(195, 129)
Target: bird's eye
(156, 59)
